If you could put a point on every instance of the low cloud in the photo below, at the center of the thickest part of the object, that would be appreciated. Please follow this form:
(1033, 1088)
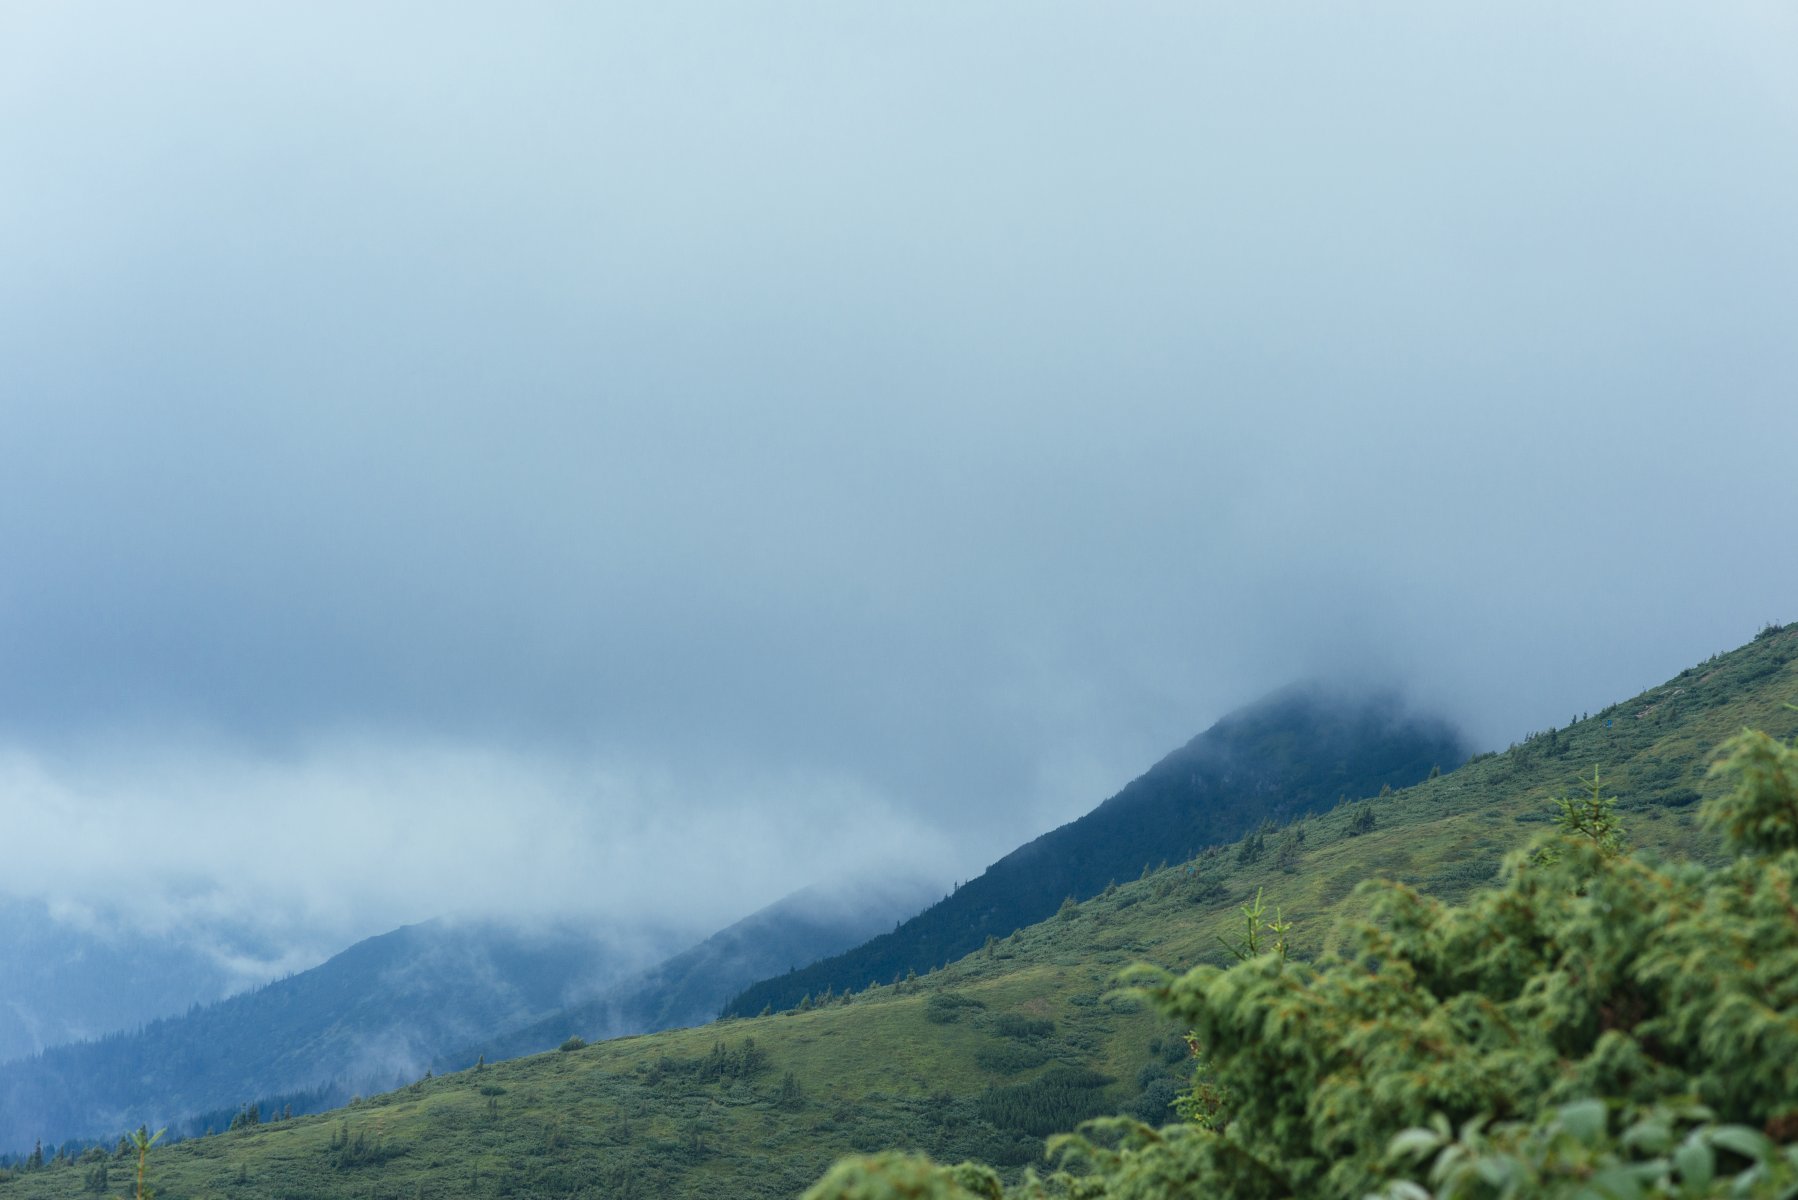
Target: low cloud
(273, 862)
(636, 464)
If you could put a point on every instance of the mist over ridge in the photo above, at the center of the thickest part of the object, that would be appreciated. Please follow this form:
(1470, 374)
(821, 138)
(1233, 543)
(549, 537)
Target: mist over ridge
(1291, 754)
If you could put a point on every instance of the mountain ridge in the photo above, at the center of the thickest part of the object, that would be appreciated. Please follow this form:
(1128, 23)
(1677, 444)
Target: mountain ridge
(356, 1023)
(374, 1013)
(431, 996)
(1324, 743)
(689, 988)
(983, 1058)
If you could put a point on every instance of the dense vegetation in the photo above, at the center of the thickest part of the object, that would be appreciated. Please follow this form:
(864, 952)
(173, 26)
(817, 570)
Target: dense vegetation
(977, 1060)
(1598, 1025)
(1296, 752)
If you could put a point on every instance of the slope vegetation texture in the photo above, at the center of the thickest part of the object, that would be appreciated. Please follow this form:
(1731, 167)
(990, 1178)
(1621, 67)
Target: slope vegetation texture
(1586, 998)
(1596, 1026)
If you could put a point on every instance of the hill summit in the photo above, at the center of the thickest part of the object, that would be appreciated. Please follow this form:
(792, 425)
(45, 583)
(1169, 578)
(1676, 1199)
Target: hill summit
(1300, 750)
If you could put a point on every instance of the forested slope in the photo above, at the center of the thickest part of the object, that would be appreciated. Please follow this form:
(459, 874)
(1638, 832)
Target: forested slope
(1296, 752)
(375, 1014)
(689, 988)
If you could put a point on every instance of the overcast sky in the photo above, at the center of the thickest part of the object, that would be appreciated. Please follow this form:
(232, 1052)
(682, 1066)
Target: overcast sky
(643, 458)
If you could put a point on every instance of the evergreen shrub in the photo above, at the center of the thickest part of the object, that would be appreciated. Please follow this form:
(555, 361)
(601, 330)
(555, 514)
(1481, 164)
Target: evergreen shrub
(1595, 1025)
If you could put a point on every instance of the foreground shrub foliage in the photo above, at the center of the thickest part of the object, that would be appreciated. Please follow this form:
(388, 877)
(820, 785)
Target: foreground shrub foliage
(1596, 1025)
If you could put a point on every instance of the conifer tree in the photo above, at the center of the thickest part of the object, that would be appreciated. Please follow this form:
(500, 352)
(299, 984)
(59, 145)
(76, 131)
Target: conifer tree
(141, 1141)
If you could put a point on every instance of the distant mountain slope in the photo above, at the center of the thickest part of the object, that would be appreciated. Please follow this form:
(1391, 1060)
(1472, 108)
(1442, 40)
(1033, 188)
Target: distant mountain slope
(1295, 752)
(376, 1014)
(983, 1058)
(60, 983)
(691, 987)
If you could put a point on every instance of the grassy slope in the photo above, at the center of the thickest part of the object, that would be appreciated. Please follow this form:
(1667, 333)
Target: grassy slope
(877, 1072)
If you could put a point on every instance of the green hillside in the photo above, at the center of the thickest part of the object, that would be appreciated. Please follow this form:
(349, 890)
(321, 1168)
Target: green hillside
(1286, 756)
(983, 1058)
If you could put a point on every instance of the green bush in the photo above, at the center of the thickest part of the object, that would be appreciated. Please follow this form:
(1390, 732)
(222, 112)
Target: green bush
(1008, 1058)
(1595, 1025)
(743, 1061)
(945, 1008)
(1060, 1098)
(1015, 1025)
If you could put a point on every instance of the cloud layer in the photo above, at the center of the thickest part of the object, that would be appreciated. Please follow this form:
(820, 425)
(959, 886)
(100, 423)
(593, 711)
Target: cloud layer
(592, 458)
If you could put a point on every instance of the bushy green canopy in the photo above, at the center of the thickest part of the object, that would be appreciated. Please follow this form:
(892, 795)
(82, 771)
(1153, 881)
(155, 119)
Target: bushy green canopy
(1596, 1025)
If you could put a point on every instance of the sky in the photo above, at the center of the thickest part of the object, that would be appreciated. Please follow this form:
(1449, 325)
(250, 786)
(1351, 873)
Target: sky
(641, 459)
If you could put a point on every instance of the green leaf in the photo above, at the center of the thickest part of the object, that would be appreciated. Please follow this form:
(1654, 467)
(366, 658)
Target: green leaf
(1405, 1189)
(1498, 1170)
(1649, 1136)
(1739, 1139)
(1697, 1165)
(1413, 1143)
(1584, 1119)
(1616, 1183)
